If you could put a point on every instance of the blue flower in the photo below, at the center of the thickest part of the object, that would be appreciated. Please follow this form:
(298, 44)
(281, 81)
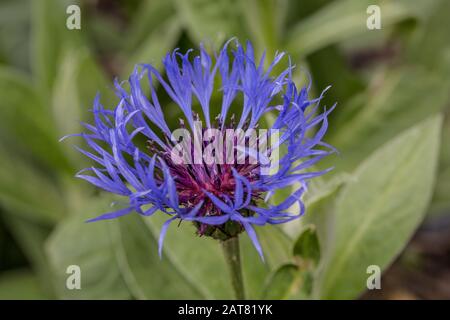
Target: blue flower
(132, 145)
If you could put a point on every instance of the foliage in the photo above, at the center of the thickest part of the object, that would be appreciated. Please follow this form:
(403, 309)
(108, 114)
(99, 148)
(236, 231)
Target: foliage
(391, 128)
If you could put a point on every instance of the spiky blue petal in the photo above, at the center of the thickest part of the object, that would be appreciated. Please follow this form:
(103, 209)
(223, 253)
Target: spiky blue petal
(125, 168)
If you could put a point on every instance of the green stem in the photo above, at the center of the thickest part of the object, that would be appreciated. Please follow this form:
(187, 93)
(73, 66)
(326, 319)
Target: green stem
(233, 260)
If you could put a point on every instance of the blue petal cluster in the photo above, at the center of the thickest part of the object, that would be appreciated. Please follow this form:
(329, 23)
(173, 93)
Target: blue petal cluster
(126, 168)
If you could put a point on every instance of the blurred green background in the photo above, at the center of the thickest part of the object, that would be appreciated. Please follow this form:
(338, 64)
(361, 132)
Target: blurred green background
(385, 81)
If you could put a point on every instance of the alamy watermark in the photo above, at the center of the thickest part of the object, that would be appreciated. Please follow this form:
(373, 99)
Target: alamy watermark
(229, 146)
(374, 280)
(73, 281)
(73, 21)
(373, 21)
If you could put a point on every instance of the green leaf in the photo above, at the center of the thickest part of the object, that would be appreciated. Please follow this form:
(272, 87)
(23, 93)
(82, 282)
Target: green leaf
(265, 22)
(379, 114)
(431, 48)
(321, 188)
(25, 124)
(294, 280)
(376, 214)
(276, 245)
(316, 200)
(49, 38)
(320, 210)
(280, 282)
(289, 281)
(274, 242)
(183, 250)
(325, 64)
(78, 80)
(342, 20)
(186, 257)
(150, 15)
(148, 276)
(156, 44)
(441, 200)
(375, 116)
(307, 246)
(20, 284)
(210, 21)
(31, 236)
(14, 33)
(26, 191)
(255, 271)
(91, 247)
(66, 103)
(54, 45)
(430, 45)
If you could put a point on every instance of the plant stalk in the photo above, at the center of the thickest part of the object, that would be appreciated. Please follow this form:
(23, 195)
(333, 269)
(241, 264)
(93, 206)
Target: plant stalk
(233, 261)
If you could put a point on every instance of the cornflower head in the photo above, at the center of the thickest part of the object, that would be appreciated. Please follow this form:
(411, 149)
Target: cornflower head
(217, 173)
